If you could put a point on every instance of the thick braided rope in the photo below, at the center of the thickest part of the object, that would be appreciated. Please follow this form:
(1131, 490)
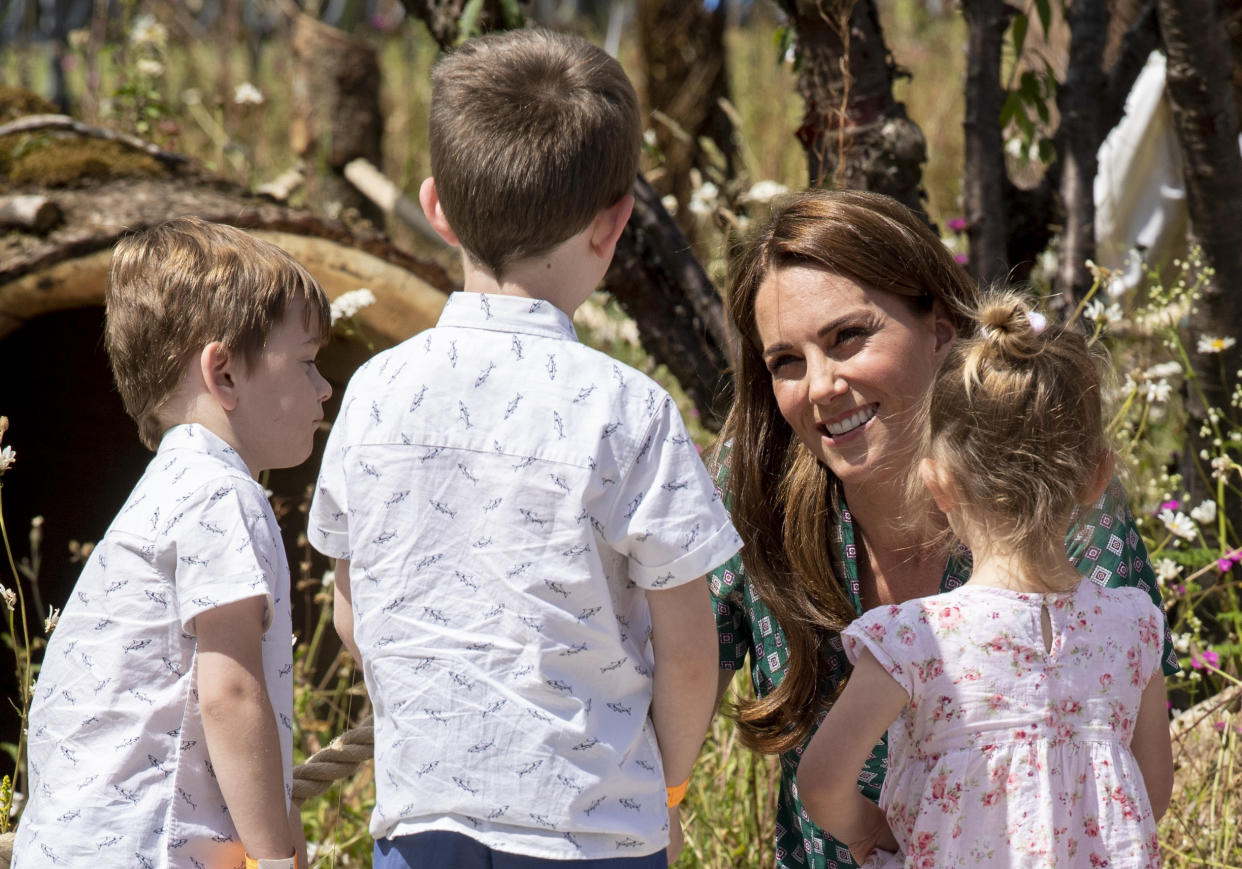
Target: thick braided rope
(339, 759)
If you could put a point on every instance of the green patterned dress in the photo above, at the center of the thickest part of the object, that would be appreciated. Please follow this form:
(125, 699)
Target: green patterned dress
(1103, 542)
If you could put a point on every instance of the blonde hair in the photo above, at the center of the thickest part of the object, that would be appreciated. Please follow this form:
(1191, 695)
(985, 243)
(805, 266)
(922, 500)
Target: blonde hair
(1015, 417)
(780, 495)
(532, 133)
(176, 287)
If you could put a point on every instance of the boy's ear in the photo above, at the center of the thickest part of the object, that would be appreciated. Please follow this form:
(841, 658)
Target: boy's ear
(939, 486)
(1102, 477)
(608, 224)
(215, 364)
(429, 199)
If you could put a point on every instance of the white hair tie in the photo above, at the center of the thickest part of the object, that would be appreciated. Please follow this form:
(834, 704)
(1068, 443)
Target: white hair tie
(1037, 320)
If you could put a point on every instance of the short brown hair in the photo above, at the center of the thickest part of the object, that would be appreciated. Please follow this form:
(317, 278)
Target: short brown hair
(1015, 416)
(532, 134)
(779, 494)
(178, 286)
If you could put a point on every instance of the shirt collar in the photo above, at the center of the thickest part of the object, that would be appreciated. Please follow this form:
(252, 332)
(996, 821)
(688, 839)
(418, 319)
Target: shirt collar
(507, 314)
(200, 439)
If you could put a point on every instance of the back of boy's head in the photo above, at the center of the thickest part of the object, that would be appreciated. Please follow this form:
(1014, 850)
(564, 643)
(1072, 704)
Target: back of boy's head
(175, 288)
(532, 134)
(1015, 416)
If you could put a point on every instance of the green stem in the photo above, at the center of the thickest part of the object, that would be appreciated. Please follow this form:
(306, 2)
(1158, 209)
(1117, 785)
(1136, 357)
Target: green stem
(22, 654)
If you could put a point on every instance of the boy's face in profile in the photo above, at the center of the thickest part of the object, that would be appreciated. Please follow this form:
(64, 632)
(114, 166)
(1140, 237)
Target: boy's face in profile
(281, 396)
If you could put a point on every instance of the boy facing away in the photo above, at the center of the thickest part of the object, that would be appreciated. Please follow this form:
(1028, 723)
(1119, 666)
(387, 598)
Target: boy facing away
(161, 727)
(521, 524)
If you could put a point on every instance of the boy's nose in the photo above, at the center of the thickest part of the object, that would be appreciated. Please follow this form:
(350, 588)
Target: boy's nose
(325, 388)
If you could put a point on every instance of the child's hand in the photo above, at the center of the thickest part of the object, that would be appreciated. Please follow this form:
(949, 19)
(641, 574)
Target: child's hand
(676, 838)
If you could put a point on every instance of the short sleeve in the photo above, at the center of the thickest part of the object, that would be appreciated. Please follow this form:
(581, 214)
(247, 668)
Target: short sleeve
(877, 631)
(1106, 547)
(226, 545)
(328, 522)
(666, 516)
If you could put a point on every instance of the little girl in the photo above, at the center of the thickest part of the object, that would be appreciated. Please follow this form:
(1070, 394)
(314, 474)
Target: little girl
(1026, 709)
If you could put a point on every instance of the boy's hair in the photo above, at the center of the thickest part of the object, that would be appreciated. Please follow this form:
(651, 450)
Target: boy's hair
(178, 286)
(1015, 416)
(532, 134)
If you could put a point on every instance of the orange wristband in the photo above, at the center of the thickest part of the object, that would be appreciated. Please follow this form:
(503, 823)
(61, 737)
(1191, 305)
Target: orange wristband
(268, 863)
(677, 794)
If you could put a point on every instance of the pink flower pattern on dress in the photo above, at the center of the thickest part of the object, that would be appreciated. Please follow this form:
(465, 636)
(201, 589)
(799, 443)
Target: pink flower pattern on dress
(1010, 754)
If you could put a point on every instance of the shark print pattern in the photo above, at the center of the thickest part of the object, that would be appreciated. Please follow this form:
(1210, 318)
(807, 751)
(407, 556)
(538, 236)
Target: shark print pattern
(504, 518)
(116, 739)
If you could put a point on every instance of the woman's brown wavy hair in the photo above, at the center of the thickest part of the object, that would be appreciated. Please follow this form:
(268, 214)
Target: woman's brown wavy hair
(779, 494)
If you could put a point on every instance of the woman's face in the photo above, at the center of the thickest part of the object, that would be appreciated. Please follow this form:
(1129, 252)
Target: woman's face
(848, 366)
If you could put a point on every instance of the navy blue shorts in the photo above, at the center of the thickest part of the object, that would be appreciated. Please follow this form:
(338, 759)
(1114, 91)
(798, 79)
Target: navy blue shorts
(440, 849)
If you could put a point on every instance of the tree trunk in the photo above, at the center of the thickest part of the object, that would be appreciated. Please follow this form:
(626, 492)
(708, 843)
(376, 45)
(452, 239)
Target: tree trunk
(1079, 101)
(684, 62)
(984, 178)
(854, 133)
(680, 318)
(1207, 128)
(336, 115)
(443, 18)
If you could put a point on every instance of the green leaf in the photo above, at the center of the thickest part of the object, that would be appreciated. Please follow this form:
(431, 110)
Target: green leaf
(468, 24)
(1020, 24)
(512, 14)
(1043, 8)
(1028, 86)
(1011, 109)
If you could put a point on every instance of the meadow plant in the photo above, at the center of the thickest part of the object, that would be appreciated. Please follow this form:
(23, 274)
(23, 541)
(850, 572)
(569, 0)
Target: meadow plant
(15, 611)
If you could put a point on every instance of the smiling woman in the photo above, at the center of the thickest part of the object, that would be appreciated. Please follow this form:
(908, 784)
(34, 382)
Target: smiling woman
(846, 304)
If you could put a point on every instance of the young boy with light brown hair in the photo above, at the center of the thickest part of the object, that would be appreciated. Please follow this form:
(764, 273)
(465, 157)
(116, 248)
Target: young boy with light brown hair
(161, 727)
(521, 523)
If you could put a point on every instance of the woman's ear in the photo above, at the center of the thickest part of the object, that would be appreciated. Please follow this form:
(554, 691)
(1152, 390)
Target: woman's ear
(216, 365)
(1099, 481)
(429, 199)
(942, 328)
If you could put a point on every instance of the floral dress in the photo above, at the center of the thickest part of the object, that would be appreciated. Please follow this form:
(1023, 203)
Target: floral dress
(1008, 754)
(1102, 542)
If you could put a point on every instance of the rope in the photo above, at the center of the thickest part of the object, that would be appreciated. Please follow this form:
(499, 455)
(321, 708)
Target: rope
(339, 759)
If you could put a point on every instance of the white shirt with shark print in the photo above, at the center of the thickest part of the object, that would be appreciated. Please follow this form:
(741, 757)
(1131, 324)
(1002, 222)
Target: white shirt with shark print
(506, 495)
(119, 770)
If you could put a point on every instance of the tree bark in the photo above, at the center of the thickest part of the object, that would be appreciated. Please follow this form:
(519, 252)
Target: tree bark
(984, 178)
(854, 133)
(336, 115)
(684, 62)
(1207, 128)
(443, 18)
(680, 318)
(1079, 101)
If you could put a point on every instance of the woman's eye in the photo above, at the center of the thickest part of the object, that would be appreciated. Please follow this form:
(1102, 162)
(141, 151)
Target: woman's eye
(850, 333)
(776, 363)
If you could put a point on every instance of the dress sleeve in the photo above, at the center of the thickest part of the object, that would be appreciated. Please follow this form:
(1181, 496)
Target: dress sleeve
(879, 632)
(1105, 545)
(227, 549)
(728, 584)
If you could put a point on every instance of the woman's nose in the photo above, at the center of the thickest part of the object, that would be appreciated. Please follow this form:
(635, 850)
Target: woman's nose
(824, 379)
